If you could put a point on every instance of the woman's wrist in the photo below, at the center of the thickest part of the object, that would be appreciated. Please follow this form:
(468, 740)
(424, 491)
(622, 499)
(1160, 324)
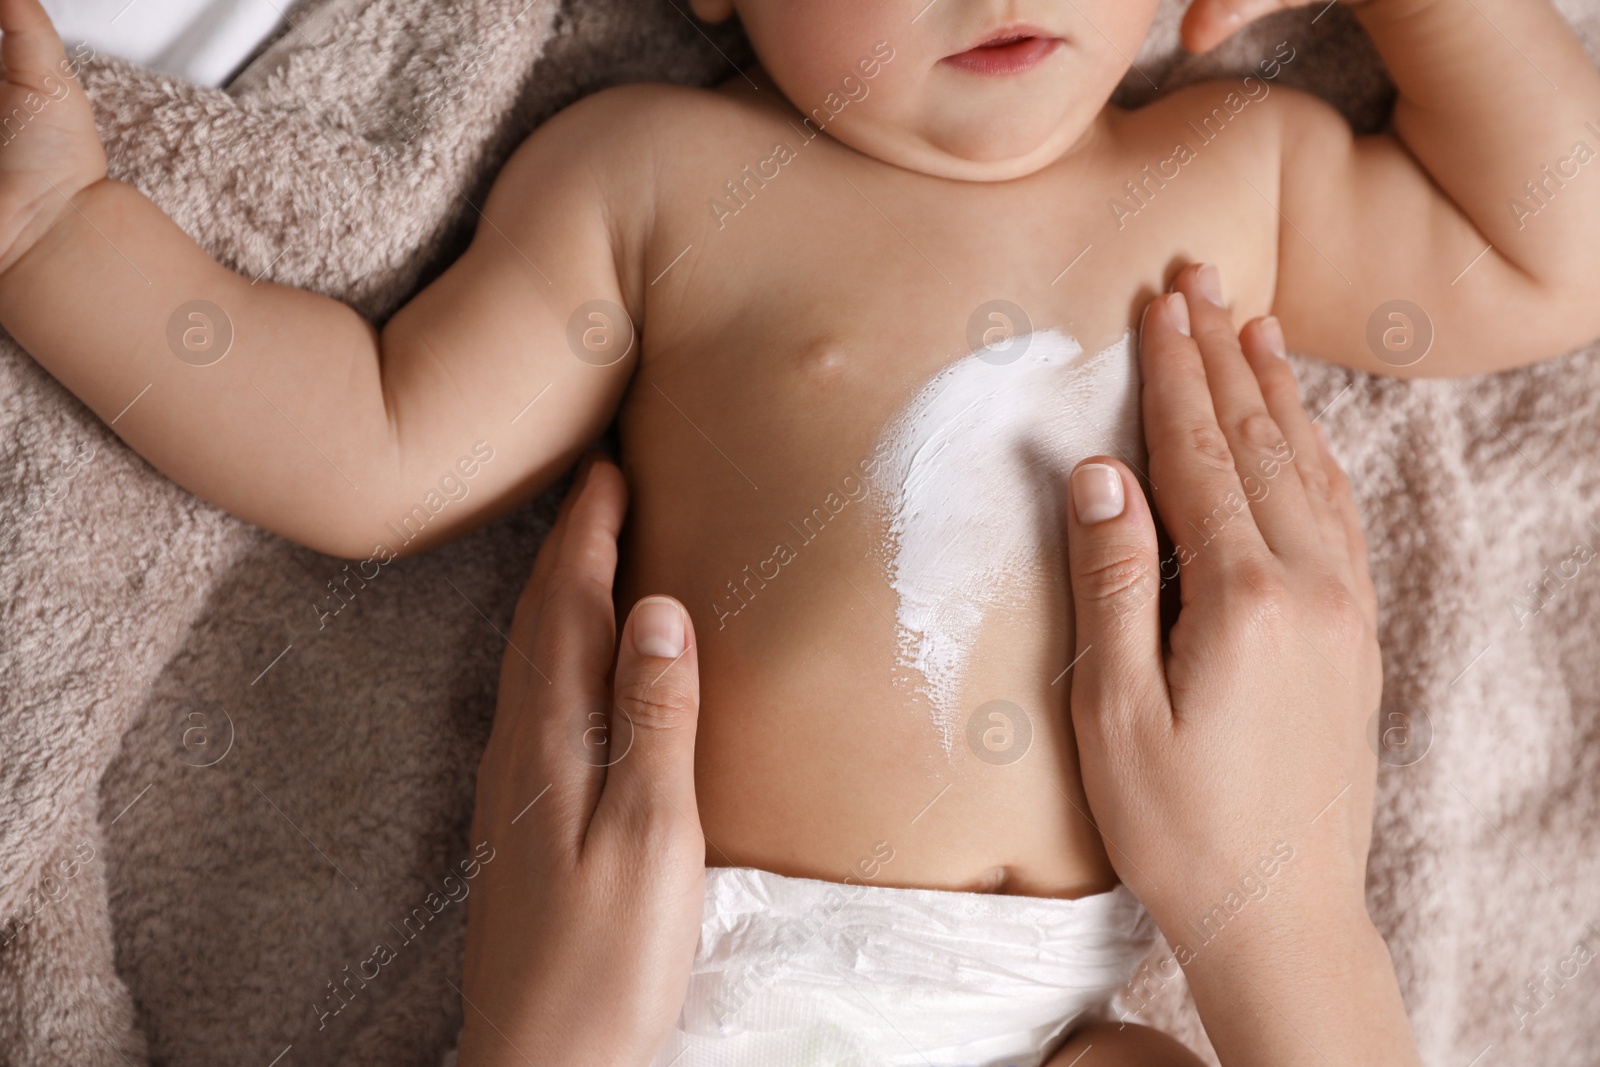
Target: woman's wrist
(553, 1023)
(1288, 888)
(1312, 988)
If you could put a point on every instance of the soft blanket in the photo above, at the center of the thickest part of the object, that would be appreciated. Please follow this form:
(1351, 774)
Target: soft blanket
(222, 785)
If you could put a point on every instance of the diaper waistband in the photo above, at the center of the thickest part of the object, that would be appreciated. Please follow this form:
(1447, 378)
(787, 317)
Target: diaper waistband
(797, 970)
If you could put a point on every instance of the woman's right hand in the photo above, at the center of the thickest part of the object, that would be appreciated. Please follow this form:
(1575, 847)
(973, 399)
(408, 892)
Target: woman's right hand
(49, 148)
(1230, 774)
(581, 935)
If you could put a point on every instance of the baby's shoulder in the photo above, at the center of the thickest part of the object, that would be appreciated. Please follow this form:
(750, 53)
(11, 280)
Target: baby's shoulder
(634, 146)
(1252, 116)
(650, 123)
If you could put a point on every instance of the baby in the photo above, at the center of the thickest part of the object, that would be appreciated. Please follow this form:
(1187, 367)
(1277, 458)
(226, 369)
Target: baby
(857, 312)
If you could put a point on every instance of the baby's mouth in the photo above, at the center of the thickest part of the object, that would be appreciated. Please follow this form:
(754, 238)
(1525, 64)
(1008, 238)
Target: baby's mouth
(1010, 51)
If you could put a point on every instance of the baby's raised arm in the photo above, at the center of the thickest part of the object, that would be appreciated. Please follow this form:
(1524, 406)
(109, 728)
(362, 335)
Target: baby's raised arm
(1481, 211)
(313, 424)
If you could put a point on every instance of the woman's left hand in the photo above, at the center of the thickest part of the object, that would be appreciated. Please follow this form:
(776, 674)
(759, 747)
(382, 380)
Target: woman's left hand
(582, 931)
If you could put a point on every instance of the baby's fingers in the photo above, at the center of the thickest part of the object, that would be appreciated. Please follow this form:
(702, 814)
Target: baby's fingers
(1208, 23)
(29, 45)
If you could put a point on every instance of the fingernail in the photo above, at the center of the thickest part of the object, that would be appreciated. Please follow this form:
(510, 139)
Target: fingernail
(1096, 493)
(658, 627)
(1322, 437)
(1208, 280)
(1272, 335)
(1178, 310)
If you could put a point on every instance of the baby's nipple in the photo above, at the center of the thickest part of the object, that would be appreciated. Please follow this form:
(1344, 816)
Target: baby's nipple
(823, 361)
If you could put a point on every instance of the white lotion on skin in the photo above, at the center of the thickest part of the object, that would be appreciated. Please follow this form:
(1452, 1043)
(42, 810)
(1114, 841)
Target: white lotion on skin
(972, 469)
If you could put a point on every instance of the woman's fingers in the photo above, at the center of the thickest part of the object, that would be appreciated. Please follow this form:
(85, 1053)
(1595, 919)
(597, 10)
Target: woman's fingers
(1355, 538)
(1262, 343)
(650, 776)
(1197, 489)
(545, 561)
(554, 718)
(1261, 453)
(1116, 585)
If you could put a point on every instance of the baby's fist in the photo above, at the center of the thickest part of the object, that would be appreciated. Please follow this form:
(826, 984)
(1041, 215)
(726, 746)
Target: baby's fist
(49, 148)
(1208, 23)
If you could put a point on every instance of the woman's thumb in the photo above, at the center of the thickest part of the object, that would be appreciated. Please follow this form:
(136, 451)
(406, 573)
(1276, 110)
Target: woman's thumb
(1116, 585)
(657, 705)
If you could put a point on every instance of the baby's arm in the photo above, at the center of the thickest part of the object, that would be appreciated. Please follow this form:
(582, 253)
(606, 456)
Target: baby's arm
(1494, 95)
(313, 424)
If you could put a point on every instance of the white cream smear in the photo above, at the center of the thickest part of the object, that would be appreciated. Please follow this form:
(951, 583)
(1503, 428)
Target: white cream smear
(973, 474)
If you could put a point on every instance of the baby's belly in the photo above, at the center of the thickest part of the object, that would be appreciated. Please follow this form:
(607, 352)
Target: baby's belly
(885, 631)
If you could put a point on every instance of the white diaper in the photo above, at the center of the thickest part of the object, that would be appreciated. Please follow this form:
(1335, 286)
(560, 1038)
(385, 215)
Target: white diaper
(794, 971)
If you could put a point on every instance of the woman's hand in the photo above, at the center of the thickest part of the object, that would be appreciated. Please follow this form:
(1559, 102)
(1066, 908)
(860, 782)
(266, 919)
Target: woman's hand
(581, 935)
(49, 148)
(1256, 723)
(1231, 775)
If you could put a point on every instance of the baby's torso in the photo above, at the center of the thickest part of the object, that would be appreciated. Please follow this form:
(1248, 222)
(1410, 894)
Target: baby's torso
(859, 513)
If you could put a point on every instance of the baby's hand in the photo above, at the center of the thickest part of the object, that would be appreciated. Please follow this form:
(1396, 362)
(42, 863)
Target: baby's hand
(49, 148)
(1208, 23)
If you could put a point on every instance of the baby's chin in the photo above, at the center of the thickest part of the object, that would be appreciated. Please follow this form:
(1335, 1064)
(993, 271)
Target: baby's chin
(980, 152)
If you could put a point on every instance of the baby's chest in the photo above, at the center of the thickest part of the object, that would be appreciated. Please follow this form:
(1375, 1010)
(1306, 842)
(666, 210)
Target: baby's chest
(905, 265)
(816, 292)
(821, 256)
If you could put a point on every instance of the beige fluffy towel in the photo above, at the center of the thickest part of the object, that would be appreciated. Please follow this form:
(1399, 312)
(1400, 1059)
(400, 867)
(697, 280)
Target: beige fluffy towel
(219, 796)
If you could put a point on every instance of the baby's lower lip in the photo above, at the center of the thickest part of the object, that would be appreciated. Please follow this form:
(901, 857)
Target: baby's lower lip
(1012, 57)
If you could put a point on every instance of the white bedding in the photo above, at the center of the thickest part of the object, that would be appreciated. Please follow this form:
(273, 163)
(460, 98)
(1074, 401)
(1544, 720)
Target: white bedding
(203, 41)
